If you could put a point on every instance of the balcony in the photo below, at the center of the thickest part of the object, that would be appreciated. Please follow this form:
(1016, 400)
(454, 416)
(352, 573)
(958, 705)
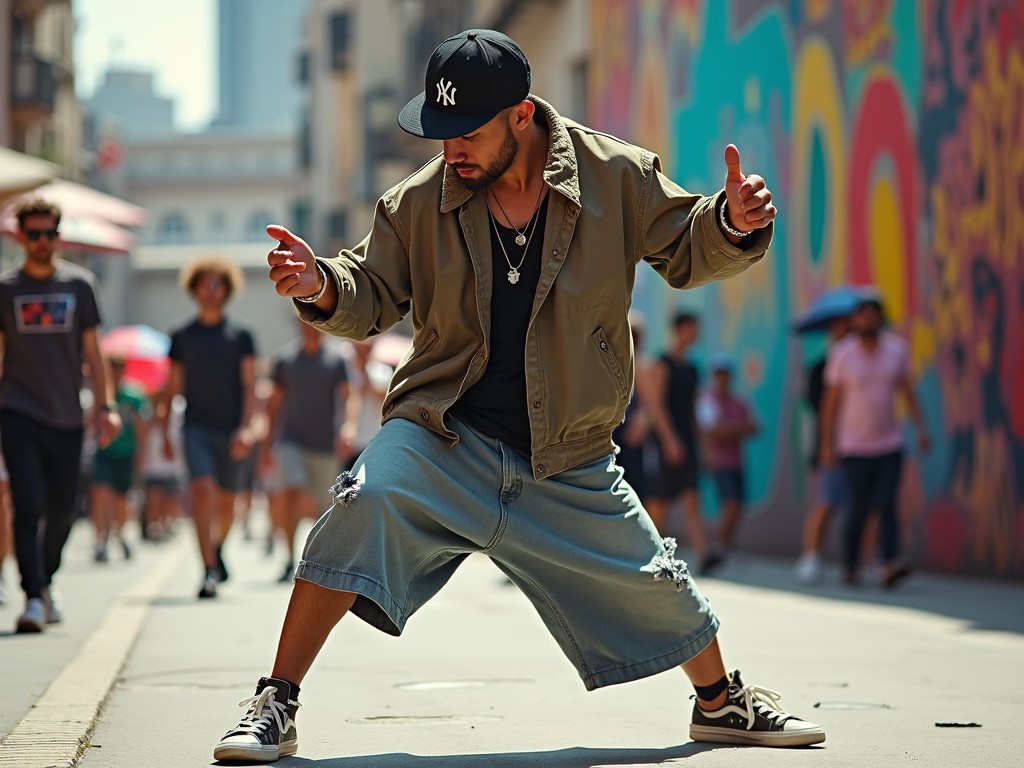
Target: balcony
(33, 85)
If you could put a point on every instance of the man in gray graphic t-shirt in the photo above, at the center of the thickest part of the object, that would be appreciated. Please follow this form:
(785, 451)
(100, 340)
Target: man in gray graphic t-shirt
(49, 314)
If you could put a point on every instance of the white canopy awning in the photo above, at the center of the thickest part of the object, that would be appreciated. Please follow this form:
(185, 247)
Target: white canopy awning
(21, 173)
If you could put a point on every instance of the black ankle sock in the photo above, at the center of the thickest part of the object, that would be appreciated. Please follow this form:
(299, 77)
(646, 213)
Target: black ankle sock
(711, 692)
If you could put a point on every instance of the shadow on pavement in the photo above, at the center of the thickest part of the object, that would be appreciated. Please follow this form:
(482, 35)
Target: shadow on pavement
(981, 604)
(575, 757)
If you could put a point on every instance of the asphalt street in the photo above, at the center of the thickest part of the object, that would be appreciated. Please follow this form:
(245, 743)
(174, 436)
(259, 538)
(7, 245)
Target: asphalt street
(141, 673)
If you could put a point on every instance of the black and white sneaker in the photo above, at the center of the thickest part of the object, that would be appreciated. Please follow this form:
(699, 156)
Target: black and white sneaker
(209, 586)
(751, 715)
(267, 731)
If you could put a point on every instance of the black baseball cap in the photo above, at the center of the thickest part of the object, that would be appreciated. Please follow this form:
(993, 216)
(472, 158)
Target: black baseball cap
(470, 78)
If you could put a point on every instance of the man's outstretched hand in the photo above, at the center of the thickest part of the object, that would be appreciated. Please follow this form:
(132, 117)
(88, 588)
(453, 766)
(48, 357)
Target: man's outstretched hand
(748, 200)
(292, 264)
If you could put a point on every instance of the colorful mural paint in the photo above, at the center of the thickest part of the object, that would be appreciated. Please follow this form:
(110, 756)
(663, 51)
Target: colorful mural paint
(891, 133)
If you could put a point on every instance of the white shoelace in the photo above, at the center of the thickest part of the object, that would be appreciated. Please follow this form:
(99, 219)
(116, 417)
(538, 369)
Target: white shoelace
(259, 715)
(765, 700)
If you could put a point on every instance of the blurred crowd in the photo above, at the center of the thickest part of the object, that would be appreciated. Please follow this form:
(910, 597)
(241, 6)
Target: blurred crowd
(205, 424)
(677, 430)
(133, 429)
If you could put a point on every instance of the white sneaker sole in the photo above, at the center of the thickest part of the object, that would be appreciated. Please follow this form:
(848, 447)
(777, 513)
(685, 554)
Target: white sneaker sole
(258, 752)
(712, 733)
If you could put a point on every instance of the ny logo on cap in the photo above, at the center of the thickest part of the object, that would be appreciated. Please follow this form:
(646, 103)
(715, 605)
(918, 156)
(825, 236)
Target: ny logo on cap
(445, 97)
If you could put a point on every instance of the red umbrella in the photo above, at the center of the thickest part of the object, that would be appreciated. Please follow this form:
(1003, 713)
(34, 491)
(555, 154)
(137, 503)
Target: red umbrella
(138, 341)
(151, 374)
(144, 350)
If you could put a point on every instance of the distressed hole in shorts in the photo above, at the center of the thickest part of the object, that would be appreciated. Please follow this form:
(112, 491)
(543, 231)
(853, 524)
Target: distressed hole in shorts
(345, 489)
(667, 567)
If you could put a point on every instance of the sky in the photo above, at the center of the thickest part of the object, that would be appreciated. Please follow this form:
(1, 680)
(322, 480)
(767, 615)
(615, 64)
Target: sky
(175, 40)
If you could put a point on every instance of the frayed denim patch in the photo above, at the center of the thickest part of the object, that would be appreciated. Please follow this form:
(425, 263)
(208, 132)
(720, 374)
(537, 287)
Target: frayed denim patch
(667, 567)
(345, 489)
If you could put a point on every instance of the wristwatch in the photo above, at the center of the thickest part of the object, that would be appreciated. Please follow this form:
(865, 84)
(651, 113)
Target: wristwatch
(723, 220)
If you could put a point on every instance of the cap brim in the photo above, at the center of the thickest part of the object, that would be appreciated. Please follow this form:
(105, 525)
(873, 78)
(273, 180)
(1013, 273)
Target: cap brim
(419, 119)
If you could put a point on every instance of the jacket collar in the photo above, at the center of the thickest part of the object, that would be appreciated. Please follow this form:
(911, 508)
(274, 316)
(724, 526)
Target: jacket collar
(560, 172)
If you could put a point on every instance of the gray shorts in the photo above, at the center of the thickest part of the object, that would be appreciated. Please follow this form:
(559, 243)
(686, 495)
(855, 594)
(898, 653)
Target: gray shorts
(312, 471)
(579, 545)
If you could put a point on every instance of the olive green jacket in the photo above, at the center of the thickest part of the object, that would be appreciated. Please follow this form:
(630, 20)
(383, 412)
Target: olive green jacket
(429, 254)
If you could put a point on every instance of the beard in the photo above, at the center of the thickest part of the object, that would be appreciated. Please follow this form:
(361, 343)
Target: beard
(506, 154)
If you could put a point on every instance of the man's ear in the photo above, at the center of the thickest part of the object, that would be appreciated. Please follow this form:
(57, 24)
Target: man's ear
(522, 114)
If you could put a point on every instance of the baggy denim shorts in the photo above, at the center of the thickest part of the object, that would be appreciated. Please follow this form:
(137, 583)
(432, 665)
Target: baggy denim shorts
(579, 545)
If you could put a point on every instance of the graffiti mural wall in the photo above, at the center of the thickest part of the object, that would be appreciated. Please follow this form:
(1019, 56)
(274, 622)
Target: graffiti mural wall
(892, 133)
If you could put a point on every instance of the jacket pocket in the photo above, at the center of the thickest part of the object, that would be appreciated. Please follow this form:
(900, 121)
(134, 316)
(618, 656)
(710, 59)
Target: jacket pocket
(604, 348)
(428, 344)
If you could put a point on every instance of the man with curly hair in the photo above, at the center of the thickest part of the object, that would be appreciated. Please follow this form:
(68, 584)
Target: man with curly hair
(212, 365)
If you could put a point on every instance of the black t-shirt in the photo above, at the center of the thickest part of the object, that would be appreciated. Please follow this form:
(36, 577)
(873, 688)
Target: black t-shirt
(683, 379)
(496, 404)
(212, 358)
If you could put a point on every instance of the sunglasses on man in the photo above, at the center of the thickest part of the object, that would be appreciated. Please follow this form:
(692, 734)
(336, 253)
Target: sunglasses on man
(35, 234)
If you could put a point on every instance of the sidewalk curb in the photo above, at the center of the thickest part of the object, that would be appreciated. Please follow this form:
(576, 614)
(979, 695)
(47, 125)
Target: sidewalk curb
(56, 730)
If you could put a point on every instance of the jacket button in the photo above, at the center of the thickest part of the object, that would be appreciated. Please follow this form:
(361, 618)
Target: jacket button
(539, 469)
(604, 346)
(554, 253)
(424, 415)
(536, 403)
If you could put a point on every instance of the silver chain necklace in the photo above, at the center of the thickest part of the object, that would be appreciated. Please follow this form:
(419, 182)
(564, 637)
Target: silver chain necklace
(520, 236)
(513, 272)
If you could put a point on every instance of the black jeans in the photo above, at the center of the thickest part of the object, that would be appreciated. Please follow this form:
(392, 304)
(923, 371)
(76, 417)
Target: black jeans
(871, 483)
(43, 464)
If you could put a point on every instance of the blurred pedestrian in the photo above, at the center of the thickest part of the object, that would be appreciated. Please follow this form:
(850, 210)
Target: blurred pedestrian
(828, 481)
(212, 365)
(163, 475)
(514, 254)
(862, 434)
(49, 315)
(306, 413)
(675, 382)
(637, 454)
(115, 466)
(369, 379)
(726, 422)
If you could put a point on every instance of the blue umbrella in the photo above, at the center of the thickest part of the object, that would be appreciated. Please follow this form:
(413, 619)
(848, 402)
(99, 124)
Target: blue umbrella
(838, 302)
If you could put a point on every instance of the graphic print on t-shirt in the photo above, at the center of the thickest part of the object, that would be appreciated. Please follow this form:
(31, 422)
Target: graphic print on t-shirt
(45, 313)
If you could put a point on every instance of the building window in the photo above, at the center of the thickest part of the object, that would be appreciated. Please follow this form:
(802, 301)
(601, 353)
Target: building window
(217, 221)
(337, 224)
(305, 143)
(257, 226)
(173, 229)
(302, 68)
(340, 31)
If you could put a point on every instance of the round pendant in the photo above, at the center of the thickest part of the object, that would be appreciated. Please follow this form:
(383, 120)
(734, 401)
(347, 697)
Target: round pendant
(520, 239)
